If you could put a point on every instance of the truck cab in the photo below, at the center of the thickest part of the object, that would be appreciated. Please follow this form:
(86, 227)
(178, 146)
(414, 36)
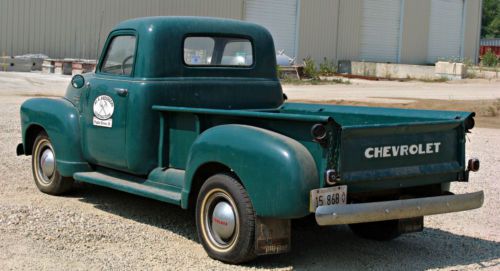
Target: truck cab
(189, 111)
(213, 67)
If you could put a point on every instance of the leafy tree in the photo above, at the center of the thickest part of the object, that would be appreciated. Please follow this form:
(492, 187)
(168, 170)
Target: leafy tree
(491, 19)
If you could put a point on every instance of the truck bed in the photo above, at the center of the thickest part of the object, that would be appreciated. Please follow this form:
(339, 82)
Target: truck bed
(370, 148)
(384, 148)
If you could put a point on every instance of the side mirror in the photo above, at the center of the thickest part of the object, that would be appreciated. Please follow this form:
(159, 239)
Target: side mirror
(78, 81)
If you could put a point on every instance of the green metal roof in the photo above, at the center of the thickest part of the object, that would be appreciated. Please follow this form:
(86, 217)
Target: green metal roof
(160, 46)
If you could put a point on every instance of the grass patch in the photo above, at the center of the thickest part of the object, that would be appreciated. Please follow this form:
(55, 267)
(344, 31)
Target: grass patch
(297, 82)
(36, 95)
(441, 79)
(484, 68)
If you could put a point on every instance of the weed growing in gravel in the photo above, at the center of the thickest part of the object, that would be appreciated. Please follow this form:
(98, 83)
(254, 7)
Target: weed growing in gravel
(492, 111)
(441, 79)
(296, 82)
(310, 69)
(327, 67)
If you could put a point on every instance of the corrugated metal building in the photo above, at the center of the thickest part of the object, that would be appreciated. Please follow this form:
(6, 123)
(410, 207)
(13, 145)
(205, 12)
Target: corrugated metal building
(397, 31)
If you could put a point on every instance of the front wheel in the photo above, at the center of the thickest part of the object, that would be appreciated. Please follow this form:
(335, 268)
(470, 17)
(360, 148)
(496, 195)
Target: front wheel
(44, 167)
(225, 220)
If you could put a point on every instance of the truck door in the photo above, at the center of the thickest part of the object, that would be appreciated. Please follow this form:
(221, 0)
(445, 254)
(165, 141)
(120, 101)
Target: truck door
(105, 115)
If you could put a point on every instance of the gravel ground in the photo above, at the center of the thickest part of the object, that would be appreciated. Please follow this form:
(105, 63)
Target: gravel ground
(97, 228)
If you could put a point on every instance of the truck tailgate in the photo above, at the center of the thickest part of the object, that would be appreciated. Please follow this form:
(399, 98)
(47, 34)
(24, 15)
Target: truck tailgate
(374, 157)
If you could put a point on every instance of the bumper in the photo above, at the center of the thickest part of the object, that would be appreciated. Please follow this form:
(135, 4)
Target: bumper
(397, 209)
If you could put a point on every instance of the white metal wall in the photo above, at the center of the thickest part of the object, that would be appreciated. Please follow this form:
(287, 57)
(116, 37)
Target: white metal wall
(279, 17)
(445, 29)
(327, 28)
(380, 30)
(70, 28)
(320, 42)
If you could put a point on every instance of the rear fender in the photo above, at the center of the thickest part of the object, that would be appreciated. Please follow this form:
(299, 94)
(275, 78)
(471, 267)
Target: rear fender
(278, 172)
(60, 120)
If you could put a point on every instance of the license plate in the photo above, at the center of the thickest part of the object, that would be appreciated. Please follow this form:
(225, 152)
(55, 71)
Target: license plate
(336, 195)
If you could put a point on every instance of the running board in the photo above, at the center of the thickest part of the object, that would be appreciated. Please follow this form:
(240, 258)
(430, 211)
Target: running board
(131, 184)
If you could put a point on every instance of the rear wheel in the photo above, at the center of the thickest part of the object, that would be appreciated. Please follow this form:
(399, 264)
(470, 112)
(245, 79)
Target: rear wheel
(225, 220)
(44, 167)
(380, 231)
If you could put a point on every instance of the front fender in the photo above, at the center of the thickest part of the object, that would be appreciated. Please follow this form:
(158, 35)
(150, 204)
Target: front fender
(278, 172)
(60, 119)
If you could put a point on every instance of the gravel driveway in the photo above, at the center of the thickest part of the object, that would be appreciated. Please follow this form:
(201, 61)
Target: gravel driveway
(97, 228)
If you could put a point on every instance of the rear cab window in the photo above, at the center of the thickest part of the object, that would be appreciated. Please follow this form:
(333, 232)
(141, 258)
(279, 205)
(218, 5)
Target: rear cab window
(218, 51)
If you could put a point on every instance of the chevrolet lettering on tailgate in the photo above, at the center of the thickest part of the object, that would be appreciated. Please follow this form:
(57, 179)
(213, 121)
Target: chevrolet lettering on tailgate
(402, 150)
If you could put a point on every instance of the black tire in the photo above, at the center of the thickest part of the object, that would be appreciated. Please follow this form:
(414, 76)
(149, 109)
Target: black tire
(239, 247)
(53, 183)
(379, 231)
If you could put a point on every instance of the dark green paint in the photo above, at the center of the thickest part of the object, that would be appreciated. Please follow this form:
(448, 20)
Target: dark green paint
(59, 119)
(105, 146)
(176, 118)
(277, 171)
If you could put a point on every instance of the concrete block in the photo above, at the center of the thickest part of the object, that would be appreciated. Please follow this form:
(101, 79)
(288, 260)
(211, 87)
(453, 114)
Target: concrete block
(344, 66)
(481, 73)
(80, 67)
(10, 64)
(58, 67)
(37, 64)
(48, 66)
(364, 68)
(392, 71)
(404, 71)
(89, 67)
(451, 70)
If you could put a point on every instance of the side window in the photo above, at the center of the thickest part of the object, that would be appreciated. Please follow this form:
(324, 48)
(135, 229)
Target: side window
(119, 57)
(218, 51)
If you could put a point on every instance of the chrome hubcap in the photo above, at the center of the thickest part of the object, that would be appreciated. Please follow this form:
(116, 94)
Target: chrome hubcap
(47, 163)
(220, 219)
(223, 221)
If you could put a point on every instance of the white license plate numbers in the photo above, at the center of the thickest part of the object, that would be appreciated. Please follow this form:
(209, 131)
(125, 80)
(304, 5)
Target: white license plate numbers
(336, 195)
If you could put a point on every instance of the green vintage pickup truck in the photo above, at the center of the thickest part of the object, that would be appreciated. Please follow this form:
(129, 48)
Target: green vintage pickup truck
(190, 111)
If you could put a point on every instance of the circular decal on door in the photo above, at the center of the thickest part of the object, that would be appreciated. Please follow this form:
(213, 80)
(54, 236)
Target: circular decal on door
(104, 107)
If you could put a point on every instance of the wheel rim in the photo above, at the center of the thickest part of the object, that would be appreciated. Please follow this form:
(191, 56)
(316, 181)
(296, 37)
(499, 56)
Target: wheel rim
(220, 220)
(45, 162)
(223, 221)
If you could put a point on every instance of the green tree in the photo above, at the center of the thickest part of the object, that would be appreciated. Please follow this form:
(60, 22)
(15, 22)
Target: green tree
(490, 26)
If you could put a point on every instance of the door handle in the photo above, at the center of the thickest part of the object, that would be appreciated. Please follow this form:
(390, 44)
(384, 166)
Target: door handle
(121, 91)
